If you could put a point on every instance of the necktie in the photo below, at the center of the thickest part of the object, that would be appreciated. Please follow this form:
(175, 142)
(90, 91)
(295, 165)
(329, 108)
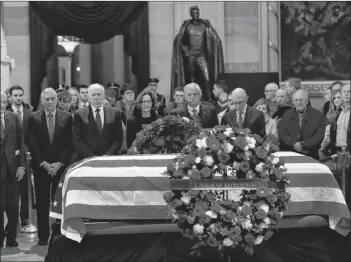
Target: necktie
(240, 119)
(20, 115)
(2, 129)
(84, 105)
(194, 112)
(51, 127)
(98, 120)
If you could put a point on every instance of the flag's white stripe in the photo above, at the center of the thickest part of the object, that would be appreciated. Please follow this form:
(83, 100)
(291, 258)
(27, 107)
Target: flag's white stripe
(135, 157)
(286, 153)
(140, 198)
(307, 168)
(135, 171)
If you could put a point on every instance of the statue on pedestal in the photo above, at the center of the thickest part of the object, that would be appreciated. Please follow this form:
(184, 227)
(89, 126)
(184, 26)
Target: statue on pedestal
(197, 55)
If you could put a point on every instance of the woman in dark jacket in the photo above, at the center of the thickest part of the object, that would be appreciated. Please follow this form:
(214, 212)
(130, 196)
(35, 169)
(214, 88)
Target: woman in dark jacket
(144, 114)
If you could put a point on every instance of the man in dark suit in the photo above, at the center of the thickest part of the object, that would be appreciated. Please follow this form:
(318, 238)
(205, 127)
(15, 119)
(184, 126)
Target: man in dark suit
(23, 110)
(193, 109)
(243, 115)
(50, 143)
(97, 129)
(12, 169)
(302, 128)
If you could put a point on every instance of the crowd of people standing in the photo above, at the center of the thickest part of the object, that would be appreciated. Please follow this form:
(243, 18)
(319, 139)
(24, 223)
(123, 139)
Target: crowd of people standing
(75, 123)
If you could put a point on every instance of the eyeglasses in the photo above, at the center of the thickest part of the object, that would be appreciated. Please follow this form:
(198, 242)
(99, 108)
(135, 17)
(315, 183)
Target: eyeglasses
(146, 102)
(266, 91)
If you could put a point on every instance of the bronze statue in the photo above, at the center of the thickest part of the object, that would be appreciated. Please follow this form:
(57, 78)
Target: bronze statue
(197, 54)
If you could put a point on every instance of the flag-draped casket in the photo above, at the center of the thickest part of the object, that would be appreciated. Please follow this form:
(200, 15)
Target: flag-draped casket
(129, 191)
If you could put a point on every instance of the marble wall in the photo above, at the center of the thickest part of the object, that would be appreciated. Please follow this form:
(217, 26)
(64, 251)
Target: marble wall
(16, 27)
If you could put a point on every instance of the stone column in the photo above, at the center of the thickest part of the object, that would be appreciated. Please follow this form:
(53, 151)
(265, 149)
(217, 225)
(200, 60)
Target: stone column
(118, 59)
(212, 11)
(84, 64)
(161, 35)
(16, 27)
(273, 40)
(263, 36)
(5, 63)
(65, 70)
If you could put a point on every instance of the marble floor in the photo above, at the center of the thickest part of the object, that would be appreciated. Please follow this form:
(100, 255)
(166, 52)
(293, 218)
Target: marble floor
(27, 249)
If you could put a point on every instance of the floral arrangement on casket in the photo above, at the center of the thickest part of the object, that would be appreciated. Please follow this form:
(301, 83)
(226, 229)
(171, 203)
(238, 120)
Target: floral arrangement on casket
(226, 156)
(165, 136)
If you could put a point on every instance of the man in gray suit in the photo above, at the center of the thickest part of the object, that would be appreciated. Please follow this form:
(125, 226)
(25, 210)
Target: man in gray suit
(12, 170)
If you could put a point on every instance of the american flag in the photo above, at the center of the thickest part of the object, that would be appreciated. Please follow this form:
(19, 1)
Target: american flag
(131, 188)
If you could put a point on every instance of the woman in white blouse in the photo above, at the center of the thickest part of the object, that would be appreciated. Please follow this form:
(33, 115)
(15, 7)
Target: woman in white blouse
(271, 125)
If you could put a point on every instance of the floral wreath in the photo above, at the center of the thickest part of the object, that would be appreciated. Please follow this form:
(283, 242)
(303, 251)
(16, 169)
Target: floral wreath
(165, 136)
(226, 156)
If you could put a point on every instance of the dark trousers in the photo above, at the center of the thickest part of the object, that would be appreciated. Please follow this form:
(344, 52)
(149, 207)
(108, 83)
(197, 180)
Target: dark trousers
(43, 183)
(23, 191)
(9, 203)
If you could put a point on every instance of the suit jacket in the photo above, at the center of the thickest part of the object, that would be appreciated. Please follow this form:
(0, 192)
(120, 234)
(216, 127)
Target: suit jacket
(27, 110)
(311, 132)
(254, 120)
(207, 115)
(39, 141)
(161, 104)
(13, 148)
(88, 141)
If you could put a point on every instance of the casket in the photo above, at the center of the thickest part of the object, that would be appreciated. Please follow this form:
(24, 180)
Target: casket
(124, 195)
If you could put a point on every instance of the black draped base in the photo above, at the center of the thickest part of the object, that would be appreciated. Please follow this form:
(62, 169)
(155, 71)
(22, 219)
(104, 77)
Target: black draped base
(308, 244)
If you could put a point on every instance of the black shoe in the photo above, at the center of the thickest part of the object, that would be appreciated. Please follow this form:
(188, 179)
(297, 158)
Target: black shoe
(12, 243)
(25, 222)
(42, 242)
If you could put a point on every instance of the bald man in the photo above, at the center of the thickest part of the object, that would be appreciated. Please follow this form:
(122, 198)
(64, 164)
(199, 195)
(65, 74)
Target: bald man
(97, 129)
(50, 143)
(301, 128)
(282, 99)
(243, 115)
(269, 92)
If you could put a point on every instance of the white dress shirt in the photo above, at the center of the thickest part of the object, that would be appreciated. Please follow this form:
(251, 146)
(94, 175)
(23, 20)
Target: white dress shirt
(191, 110)
(15, 109)
(3, 119)
(102, 113)
(243, 114)
(86, 104)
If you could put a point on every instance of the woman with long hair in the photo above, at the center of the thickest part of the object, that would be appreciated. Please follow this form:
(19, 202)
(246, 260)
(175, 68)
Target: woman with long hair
(75, 98)
(144, 113)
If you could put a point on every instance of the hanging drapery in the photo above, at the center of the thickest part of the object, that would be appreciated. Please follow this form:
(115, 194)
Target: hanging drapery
(136, 44)
(94, 22)
(42, 46)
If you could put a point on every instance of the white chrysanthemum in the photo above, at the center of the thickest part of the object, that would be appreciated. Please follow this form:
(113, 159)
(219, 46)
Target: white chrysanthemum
(201, 143)
(259, 167)
(246, 148)
(262, 226)
(228, 148)
(246, 224)
(275, 160)
(264, 207)
(197, 160)
(186, 177)
(186, 119)
(252, 140)
(211, 214)
(227, 242)
(258, 240)
(185, 200)
(208, 160)
(198, 229)
(246, 204)
(267, 220)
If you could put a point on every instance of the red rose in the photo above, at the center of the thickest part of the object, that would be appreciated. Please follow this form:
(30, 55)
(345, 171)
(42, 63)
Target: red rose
(168, 196)
(190, 159)
(182, 217)
(200, 208)
(240, 142)
(230, 215)
(249, 239)
(176, 203)
(195, 174)
(262, 192)
(171, 168)
(221, 137)
(246, 211)
(272, 199)
(217, 208)
(210, 197)
(159, 142)
(194, 193)
(278, 173)
(234, 233)
(204, 219)
(206, 172)
(261, 152)
(244, 167)
(260, 214)
(202, 153)
(223, 157)
(179, 173)
(213, 143)
(212, 241)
